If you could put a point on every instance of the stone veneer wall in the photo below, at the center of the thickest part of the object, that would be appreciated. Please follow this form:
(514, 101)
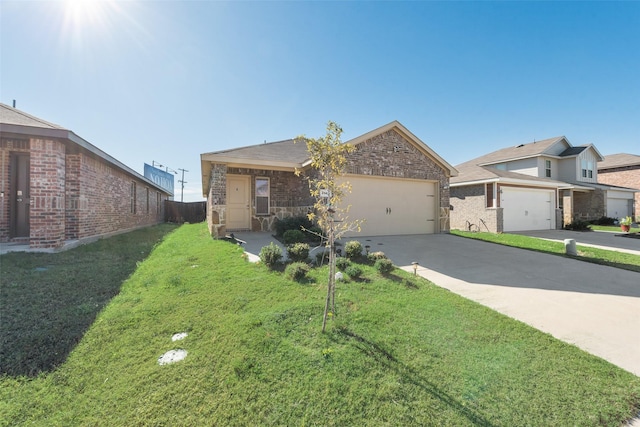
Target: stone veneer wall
(468, 204)
(627, 176)
(390, 154)
(588, 205)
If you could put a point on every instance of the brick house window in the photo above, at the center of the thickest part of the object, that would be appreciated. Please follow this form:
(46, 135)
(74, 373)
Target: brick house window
(133, 197)
(547, 168)
(262, 196)
(489, 194)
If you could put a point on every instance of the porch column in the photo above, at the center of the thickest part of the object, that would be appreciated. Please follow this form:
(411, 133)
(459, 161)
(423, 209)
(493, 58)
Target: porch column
(567, 207)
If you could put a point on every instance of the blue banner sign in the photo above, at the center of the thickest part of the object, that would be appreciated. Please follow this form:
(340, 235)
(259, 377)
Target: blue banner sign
(159, 177)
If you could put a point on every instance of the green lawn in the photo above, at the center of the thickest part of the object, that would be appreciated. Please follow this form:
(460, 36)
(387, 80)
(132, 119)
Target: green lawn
(400, 351)
(614, 228)
(585, 253)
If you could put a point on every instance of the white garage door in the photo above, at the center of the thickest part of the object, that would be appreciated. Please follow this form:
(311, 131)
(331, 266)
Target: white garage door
(527, 209)
(618, 208)
(392, 206)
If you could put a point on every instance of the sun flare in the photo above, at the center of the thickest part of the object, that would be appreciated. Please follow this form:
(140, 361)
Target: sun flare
(80, 13)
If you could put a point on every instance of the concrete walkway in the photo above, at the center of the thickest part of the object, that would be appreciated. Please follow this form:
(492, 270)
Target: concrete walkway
(595, 307)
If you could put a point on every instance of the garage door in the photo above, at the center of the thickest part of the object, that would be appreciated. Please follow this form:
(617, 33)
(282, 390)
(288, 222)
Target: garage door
(618, 208)
(392, 206)
(527, 209)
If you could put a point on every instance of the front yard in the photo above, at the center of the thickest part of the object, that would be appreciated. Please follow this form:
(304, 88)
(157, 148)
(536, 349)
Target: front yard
(400, 351)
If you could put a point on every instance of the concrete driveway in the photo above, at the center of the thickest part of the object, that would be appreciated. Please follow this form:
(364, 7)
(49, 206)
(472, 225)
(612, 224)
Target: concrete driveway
(597, 308)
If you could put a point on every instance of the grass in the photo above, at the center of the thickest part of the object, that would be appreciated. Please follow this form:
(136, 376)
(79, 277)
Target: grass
(400, 351)
(616, 259)
(615, 228)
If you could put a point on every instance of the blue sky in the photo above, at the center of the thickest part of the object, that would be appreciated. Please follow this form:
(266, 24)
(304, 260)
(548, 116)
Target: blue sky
(166, 81)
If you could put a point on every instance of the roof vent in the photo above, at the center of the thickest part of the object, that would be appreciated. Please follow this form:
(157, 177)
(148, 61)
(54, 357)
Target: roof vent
(521, 145)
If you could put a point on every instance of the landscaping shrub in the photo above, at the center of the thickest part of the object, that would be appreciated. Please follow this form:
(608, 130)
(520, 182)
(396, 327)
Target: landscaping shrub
(372, 257)
(342, 263)
(293, 236)
(353, 271)
(322, 257)
(296, 271)
(577, 226)
(604, 220)
(270, 255)
(291, 223)
(353, 249)
(298, 252)
(384, 266)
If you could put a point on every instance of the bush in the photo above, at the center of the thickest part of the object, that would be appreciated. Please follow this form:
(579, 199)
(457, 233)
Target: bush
(298, 252)
(291, 223)
(342, 263)
(353, 271)
(577, 226)
(374, 256)
(384, 266)
(270, 255)
(353, 249)
(604, 220)
(296, 271)
(293, 236)
(322, 257)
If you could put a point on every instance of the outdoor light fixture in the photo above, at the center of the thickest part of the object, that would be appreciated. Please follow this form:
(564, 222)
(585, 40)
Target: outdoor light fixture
(415, 268)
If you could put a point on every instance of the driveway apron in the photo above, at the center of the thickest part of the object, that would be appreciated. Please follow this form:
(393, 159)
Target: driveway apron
(595, 307)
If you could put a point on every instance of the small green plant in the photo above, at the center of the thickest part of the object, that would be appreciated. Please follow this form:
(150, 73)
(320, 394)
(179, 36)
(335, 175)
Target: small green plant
(384, 266)
(270, 255)
(372, 257)
(604, 220)
(293, 236)
(298, 252)
(297, 271)
(353, 249)
(353, 271)
(626, 221)
(342, 263)
(291, 223)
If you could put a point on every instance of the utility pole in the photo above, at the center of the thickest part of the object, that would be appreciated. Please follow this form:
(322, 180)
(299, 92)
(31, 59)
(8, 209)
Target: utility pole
(183, 182)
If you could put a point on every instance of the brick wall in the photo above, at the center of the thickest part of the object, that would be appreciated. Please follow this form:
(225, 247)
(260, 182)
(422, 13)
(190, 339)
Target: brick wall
(76, 196)
(469, 207)
(628, 176)
(588, 205)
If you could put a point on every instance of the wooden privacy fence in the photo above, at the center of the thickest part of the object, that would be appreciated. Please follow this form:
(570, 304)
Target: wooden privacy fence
(185, 212)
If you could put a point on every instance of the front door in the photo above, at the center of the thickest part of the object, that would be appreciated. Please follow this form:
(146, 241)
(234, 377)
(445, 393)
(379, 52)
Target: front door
(19, 197)
(238, 202)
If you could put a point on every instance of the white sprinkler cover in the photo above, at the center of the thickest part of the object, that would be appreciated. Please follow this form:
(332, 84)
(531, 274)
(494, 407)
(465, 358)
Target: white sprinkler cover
(172, 356)
(179, 336)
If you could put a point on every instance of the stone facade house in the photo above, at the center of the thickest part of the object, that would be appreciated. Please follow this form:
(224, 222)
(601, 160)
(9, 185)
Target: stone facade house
(56, 189)
(541, 185)
(621, 170)
(399, 184)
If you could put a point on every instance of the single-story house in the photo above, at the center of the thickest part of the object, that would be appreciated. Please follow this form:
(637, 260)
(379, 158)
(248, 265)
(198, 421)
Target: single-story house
(622, 170)
(57, 189)
(399, 184)
(541, 185)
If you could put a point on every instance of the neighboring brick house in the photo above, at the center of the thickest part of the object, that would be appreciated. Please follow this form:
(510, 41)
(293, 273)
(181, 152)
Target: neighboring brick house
(58, 189)
(541, 185)
(622, 170)
(399, 185)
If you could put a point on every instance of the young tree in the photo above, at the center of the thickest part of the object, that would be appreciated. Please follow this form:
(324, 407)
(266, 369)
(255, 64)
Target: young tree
(328, 158)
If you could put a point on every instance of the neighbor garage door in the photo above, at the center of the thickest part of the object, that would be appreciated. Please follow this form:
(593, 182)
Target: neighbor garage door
(527, 209)
(392, 206)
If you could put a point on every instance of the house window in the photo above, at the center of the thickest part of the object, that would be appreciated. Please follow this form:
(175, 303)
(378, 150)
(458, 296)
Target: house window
(590, 169)
(262, 196)
(133, 197)
(547, 168)
(584, 168)
(489, 193)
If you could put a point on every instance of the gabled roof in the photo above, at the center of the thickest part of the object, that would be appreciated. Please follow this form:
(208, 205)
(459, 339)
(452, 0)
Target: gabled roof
(471, 173)
(288, 154)
(619, 160)
(522, 151)
(16, 122)
(573, 151)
